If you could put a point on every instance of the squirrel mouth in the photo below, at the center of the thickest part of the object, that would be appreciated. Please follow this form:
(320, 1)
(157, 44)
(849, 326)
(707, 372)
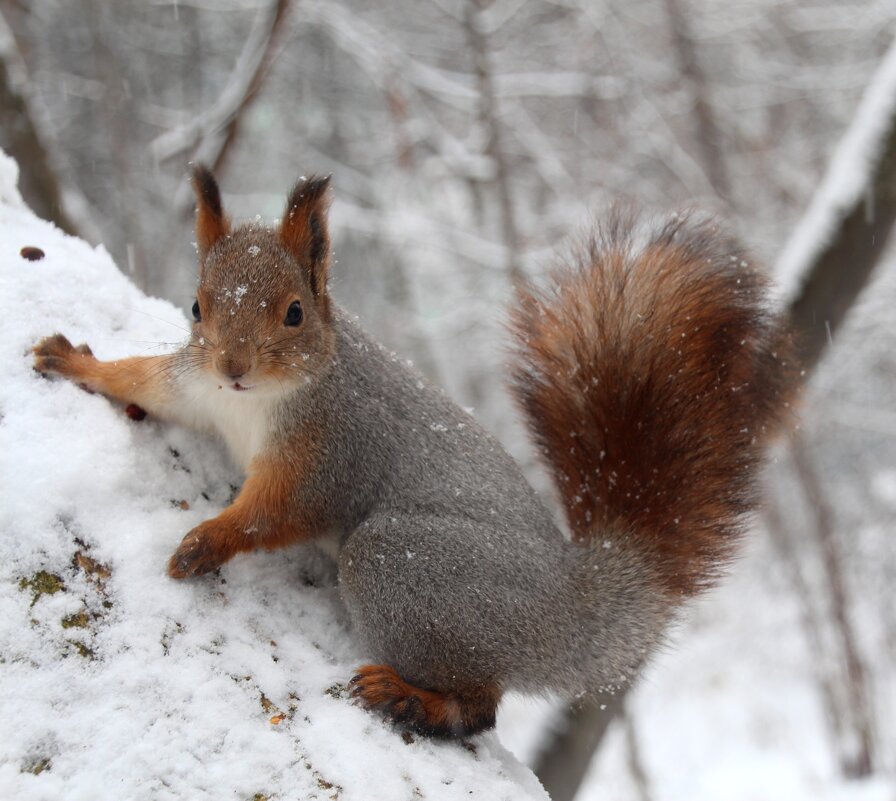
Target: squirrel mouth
(239, 387)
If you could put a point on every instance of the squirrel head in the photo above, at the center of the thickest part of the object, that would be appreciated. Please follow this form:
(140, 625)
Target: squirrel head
(262, 315)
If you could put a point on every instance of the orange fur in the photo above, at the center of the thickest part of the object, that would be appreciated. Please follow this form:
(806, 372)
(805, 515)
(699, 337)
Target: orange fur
(427, 711)
(305, 234)
(140, 380)
(651, 380)
(264, 515)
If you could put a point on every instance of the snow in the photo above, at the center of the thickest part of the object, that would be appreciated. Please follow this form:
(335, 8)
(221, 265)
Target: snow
(731, 711)
(118, 681)
(846, 180)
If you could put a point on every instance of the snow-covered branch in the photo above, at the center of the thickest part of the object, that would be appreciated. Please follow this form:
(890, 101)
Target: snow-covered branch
(838, 242)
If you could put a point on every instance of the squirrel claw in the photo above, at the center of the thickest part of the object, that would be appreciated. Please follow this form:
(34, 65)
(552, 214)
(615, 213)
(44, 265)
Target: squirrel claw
(195, 556)
(51, 354)
(54, 355)
(430, 712)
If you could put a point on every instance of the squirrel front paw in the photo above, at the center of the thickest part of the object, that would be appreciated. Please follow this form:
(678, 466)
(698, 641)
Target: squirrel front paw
(198, 553)
(55, 355)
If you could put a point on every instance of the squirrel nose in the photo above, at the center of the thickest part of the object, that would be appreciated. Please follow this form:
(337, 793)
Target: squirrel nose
(234, 369)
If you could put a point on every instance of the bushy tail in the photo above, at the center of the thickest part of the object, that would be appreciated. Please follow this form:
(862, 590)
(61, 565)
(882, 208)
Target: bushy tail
(651, 371)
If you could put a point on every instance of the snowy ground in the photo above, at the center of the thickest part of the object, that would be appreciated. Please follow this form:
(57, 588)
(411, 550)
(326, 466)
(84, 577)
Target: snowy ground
(118, 682)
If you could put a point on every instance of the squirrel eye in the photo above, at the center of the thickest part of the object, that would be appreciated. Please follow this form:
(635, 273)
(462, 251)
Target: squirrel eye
(293, 314)
(197, 315)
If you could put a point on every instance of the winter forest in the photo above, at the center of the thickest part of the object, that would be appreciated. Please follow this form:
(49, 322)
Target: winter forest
(470, 142)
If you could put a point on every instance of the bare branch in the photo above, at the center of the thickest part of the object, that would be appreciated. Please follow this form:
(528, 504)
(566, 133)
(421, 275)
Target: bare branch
(707, 133)
(811, 618)
(491, 125)
(635, 762)
(208, 135)
(542, 152)
(858, 752)
(652, 127)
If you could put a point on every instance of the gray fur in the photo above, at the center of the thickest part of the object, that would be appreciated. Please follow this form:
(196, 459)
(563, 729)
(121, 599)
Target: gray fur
(451, 567)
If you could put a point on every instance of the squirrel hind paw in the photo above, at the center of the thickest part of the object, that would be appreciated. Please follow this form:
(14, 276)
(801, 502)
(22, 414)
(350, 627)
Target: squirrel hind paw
(428, 712)
(195, 556)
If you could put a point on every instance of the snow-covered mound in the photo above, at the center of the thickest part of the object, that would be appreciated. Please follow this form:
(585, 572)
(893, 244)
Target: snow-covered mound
(119, 682)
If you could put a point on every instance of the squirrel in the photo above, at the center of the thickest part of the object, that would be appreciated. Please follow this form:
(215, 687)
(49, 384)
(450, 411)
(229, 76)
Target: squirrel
(651, 370)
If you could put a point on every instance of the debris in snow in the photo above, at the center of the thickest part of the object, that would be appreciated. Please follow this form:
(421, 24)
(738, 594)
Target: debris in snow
(31, 253)
(135, 412)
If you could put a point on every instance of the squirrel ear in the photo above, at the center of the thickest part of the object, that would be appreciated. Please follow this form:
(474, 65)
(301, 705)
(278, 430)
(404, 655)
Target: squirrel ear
(211, 224)
(304, 230)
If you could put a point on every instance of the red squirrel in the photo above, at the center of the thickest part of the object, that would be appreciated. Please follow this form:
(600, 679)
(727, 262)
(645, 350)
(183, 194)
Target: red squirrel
(650, 370)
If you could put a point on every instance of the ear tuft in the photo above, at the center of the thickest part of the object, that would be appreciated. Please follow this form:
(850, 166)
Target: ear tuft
(211, 224)
(304, 231)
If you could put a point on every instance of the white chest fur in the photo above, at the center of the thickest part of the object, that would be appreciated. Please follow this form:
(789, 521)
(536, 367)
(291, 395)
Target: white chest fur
(243, 419)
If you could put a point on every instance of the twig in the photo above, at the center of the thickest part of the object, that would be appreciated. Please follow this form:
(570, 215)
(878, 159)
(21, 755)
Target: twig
(494, 149)
(635, 763)
(209, 135)
(858, 708)
(810, 618)
(707, 132)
